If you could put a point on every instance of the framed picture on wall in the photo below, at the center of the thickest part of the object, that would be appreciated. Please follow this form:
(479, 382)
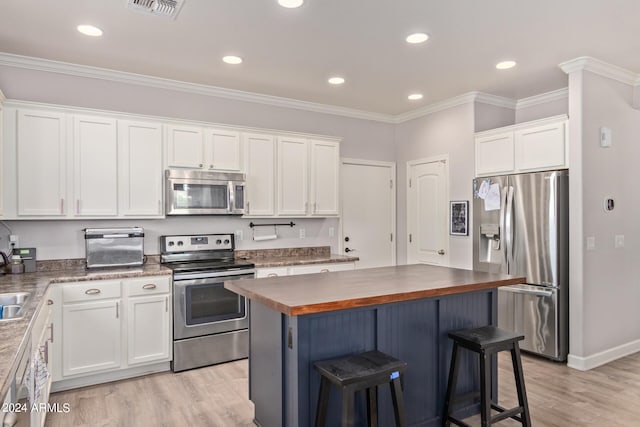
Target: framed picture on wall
(459, 218)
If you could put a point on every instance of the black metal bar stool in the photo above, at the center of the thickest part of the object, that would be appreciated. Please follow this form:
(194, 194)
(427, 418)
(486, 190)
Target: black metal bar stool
(486, 341)
(364, 371)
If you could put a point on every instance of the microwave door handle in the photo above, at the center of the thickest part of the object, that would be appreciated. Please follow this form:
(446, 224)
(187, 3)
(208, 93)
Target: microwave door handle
(231, 198)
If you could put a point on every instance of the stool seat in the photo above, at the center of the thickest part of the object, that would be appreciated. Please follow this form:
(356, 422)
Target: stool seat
(486, 341)
(363, 371)
(485, 337)
(361, 367)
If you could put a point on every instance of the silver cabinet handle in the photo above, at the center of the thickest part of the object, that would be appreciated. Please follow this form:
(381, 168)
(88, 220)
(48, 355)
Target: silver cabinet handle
(61, 206)
(272, 275)
(166, 304)
(45, 351)
(324, 270)
(159, 206)
(117, 310)
(201, 165)
(315, 210)
(248, 207)
(92, 291)
(211, 167)
(51, 330)
(78, 206)
(49, 302)
(441, 252)
(149, 286)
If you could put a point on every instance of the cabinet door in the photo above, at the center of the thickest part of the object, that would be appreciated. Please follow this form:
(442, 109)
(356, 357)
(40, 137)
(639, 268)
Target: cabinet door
(185, 146)
(541, 147)
(260, 167)
(293, 176)
(91, 335)
(140, 168)
(222, 150)
(148, 329)
(325, 170)
(95, 171)
(41, 151)
(272, 272)
(321, 268)
(495, 154)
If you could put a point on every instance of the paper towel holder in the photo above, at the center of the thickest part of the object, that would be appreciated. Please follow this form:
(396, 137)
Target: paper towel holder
(289, 224)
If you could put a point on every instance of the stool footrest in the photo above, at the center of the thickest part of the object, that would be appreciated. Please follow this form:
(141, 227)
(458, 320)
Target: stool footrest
(507, 413)
(458, 422)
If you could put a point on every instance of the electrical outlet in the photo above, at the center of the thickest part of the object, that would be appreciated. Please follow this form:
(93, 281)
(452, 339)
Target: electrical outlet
(303, 233)
(14, 241)
(332, 231)
(238, 235)
(591, 243)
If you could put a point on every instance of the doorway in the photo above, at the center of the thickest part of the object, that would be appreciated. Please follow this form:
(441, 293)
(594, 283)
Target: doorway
(369, 212)
(427, 209)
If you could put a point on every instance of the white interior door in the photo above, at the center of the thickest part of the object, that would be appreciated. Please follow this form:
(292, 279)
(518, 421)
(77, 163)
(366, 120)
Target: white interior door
(369, 212)
(427, 224)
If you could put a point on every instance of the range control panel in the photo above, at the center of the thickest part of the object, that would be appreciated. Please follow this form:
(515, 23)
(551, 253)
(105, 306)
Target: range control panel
(203, 242)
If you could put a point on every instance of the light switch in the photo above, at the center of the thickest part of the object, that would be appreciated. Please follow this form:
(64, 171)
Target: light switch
(591, 243)
(332, 231)
(605, 137)
(303, 233)
(619, 241)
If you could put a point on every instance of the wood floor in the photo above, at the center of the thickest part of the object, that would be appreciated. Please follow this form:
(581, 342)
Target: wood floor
(217, 396)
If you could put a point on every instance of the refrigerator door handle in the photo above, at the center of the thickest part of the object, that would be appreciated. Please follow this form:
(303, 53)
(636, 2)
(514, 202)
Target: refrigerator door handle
(509, 228)
(502, 235)
(526, 291)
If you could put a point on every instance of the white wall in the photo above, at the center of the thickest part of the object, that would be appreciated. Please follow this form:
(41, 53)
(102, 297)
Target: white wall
(540, 111)
(604, 283)
(362, 139)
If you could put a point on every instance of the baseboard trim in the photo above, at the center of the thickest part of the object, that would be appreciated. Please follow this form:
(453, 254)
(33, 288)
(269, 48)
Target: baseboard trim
(105, 377)
(603, 357)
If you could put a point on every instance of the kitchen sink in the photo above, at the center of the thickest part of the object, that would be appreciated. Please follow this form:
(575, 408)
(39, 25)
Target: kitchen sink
(12, 305)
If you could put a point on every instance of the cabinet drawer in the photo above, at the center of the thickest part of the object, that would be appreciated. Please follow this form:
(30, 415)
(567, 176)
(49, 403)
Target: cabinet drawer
(147, 285)
(272, 272)
(321, 268)
(91, 290)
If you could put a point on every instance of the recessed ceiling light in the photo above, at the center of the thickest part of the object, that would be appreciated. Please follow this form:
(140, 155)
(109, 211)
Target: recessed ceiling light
(417, 38)
(336, 80)
(233, 60)
(290, 3)
(90, 30)
(415, 96)
(505, 65)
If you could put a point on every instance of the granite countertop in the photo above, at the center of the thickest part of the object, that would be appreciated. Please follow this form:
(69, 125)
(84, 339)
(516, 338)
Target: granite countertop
(14, 333)
(317, 293)
(284, 257)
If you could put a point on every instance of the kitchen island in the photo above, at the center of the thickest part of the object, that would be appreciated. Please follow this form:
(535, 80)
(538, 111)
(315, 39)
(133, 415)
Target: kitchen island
(405, 311)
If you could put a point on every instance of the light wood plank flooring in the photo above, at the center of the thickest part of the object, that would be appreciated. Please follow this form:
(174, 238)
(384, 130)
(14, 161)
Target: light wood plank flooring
(217, 396)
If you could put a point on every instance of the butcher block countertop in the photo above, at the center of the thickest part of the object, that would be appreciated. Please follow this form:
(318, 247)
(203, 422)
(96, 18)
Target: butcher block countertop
(317, 293)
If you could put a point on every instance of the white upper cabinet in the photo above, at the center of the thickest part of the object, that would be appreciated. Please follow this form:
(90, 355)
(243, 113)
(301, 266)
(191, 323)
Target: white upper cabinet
(203, 148)
(1, 157)
(185, 146)
(293, 176)
(544, 146)
(325, 180)
(260, 167)
(140, 168)
(222, 150)
(41, 163)
(95, 149)
(526, 147)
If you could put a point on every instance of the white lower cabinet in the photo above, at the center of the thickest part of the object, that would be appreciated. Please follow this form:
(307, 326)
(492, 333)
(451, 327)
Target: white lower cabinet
(304, 269)
(112, 326)
(41, 340)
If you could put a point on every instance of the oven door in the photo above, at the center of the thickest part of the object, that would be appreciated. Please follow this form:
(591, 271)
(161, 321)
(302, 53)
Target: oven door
(204, 307)
(199, 197)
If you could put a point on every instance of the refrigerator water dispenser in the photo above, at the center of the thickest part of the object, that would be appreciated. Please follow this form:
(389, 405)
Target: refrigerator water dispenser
(489, 244)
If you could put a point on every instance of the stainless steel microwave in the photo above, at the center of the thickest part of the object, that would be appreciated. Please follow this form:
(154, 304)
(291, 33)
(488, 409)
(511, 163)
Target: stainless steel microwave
(194, 192)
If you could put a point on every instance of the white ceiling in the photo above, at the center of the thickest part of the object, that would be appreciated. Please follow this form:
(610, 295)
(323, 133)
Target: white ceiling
(291, 52)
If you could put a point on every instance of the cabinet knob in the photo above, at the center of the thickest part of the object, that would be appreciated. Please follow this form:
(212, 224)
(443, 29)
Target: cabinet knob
(210, 166)
(49, 302)
(441, 252)
(200, 165)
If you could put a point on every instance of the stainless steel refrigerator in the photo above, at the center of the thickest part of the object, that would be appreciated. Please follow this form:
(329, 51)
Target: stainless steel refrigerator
(521, 227)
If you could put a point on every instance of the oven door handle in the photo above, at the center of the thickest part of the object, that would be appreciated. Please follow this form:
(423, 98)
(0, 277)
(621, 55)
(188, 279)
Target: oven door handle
(217, 275)
(207, 280)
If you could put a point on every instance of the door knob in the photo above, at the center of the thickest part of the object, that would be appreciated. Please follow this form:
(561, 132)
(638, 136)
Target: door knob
(441, 252)
(347, 250)
(346, 239)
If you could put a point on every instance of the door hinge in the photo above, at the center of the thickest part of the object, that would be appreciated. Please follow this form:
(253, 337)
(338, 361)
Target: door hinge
(290, 338)
(409, 183)
(410, 237)
(391, 184)
(391, 236)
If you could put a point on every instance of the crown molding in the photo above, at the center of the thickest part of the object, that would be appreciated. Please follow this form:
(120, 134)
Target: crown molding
(554, 95)
(596, 66)
(2, 97)
(496, 101)
(48, 65)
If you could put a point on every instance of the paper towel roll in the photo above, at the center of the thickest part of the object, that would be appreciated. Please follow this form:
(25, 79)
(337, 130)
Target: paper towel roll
(266, 237)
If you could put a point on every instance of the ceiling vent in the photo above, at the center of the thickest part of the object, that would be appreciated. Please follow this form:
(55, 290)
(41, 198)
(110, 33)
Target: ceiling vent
(166, 8)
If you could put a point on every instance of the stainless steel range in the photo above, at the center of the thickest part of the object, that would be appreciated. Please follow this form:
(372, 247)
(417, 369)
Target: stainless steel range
(210, 323)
